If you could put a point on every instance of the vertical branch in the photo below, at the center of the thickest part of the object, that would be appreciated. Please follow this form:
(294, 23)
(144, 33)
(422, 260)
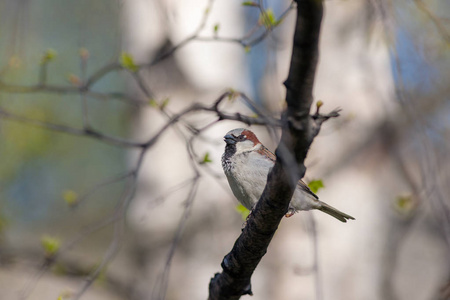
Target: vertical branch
(316, 266)
(300, 82)
(161, 291)
(84, 55)
(239, 265)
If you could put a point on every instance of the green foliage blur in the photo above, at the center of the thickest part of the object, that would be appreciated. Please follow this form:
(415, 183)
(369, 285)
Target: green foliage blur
(316, 185)
(43, 172)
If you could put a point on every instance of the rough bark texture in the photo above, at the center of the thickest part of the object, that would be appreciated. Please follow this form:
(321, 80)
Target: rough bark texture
(299, 129)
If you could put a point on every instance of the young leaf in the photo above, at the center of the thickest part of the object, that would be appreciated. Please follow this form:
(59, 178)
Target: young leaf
(232, 95)
(70, 197)
(48, 56)
(319, 104)
(164, 103)
(216, 28)
(152, 102)
(74, 79)
(127, 61)
(84, 53)
(405, 204)
(206, 159)
(244, 212)
(250, 3)
(50, 244)
(268, 18)
(315, 185)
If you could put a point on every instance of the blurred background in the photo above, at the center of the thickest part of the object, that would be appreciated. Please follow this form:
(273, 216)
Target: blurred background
(89, 215)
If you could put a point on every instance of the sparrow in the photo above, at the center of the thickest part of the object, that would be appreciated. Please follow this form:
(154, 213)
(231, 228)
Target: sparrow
(246, 163)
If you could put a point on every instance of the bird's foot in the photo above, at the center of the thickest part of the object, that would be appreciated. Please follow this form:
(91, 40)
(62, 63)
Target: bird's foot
(290, 213)
(243, 225)
(246, 219)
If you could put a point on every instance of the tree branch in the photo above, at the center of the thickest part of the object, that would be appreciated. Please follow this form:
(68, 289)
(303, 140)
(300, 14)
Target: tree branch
(239, 265)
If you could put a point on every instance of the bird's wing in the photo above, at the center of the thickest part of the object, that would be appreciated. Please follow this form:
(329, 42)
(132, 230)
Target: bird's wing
(264, 151)
(301, 185)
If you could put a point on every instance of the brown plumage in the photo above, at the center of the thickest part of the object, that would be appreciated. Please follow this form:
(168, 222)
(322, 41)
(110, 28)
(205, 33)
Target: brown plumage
(246, 163)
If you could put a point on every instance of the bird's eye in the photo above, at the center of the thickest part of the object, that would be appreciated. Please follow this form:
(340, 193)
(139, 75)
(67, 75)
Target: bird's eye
(240, 138)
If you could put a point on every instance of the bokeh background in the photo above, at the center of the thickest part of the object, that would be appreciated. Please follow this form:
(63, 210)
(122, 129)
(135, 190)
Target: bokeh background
(385, 161)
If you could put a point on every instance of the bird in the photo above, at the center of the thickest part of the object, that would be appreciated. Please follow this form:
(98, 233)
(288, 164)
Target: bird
(246, 163)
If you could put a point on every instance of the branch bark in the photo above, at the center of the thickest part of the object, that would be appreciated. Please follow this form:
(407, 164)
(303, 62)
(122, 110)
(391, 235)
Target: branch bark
(299, 130)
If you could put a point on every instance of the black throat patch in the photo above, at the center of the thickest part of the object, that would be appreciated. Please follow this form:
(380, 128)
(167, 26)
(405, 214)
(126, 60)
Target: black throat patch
(230, 150)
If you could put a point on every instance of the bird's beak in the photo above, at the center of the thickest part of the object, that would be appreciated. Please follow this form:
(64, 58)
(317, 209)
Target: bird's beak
(229, 139)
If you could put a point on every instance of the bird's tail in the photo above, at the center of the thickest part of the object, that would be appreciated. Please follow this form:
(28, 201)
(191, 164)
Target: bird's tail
(343, 217)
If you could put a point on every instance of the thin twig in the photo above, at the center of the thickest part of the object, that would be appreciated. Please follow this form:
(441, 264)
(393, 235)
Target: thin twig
(70, 130)
(436, 22)
(84, 100)
(316, 264)
(160, 293)
(119, 215)
(103, 184)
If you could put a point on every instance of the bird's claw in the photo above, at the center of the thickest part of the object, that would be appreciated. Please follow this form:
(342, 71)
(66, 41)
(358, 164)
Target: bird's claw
(246, 219)
(290, 213)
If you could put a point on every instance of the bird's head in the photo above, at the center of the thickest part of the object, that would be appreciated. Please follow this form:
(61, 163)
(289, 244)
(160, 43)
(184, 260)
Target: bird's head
(242, 139)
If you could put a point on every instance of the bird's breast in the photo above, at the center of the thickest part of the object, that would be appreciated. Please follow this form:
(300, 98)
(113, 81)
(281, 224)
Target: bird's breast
(247, 176)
